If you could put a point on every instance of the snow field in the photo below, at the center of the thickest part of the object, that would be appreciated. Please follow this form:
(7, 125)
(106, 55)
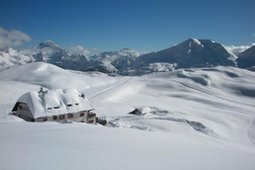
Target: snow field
(192, 119)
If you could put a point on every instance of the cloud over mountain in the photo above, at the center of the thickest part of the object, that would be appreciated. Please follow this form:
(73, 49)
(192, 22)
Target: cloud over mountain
(12, 38)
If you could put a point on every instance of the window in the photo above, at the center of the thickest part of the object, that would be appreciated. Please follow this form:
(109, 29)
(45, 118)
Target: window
(70, 115)
(82, 114)
(91, 121)
(76, 104)
(56, 107)
(91, 114)
(61, 117)
(20, 107)
(44, 119)
(69, 105)
(49, 108)
(55, 117)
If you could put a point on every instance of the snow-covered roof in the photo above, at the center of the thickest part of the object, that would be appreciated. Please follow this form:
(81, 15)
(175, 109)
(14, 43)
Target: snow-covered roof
(55, 102)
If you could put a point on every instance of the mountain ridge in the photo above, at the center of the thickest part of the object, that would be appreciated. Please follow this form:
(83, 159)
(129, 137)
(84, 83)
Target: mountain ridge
(187, 54)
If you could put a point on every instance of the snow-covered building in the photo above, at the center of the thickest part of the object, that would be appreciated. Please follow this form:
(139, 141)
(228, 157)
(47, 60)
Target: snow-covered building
(54, 105)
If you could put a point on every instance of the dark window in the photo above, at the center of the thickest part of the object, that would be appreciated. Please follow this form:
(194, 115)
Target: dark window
(91, 121)
(82, 95)
(82, 114)
(69, 105)
(44, 119)
(70, 115)
(56, 107)
(76, 104)
(55, 117)
(20, 108)
(91, 114)
(50, 108)
(61, 117)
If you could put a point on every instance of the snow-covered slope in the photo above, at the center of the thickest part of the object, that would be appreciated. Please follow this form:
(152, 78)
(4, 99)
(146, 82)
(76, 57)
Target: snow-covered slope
(247, 58)
(190, 119)
(191, 53)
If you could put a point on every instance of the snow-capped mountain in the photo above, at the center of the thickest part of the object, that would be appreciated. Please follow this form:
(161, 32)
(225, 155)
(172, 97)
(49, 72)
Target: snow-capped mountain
(107, 62)
(191, 53)
(121, 59)
(52, 53)
(247, 58)
(10, 57)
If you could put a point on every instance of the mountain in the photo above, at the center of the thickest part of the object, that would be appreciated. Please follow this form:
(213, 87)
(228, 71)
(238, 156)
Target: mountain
(52, 53)
(247, 58)
(121, 59)
(190, 53)
(10, 57)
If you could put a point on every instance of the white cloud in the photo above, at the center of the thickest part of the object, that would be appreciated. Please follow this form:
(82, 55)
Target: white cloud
(12, 38)
(78, 49)
(237, 49)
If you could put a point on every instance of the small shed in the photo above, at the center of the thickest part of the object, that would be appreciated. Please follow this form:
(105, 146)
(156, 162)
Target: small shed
(54, 105)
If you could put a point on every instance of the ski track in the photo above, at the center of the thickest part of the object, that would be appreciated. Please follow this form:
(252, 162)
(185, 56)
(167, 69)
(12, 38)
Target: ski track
(111, 88)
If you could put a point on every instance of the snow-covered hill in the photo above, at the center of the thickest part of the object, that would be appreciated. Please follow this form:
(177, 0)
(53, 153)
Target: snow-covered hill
(188, 119)
(191, 53)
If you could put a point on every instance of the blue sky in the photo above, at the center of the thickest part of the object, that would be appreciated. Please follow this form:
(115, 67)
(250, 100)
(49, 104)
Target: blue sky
(144, 25)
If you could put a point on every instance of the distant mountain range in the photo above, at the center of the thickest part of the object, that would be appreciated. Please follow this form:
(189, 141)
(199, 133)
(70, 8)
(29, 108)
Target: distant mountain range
(188, 54)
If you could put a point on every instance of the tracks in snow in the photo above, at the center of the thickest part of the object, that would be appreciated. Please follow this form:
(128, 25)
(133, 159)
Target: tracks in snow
(111, 88)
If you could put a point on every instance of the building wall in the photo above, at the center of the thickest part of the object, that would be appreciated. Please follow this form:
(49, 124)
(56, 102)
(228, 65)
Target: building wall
(24, 112)
(82, 116)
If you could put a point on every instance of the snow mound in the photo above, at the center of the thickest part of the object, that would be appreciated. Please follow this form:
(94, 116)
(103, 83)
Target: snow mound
(52, 77)
(149, 111)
